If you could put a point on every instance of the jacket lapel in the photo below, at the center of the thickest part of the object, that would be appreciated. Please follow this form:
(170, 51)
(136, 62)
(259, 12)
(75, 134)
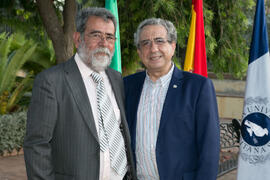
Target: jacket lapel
(137, 93)
(173, 91)
(134, 103)
(75, 82)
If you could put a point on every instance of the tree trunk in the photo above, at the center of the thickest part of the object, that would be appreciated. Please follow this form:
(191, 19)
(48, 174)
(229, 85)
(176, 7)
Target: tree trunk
(59, 32)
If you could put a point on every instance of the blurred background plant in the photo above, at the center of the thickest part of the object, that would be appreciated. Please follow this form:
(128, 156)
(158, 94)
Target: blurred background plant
(25, 50)
(15, 50)
(12, 131)
(20, 59)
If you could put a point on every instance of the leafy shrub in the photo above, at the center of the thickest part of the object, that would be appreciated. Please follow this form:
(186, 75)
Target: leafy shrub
(15, 50)
(12, 131)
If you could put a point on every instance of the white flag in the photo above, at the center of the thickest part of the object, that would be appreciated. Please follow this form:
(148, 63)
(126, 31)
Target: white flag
(254, 156)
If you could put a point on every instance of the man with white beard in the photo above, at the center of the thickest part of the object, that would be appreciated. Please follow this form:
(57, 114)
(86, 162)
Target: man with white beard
(76, 125)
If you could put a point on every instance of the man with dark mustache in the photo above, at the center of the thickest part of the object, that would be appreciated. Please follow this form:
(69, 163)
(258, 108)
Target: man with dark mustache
(76, 126)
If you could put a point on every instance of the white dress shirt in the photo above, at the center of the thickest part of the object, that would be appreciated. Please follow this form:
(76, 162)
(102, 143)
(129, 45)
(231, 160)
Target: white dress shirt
(148, 119)
(106, 172)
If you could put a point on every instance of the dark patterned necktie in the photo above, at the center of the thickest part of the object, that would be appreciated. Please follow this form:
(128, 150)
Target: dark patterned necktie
(109, 131)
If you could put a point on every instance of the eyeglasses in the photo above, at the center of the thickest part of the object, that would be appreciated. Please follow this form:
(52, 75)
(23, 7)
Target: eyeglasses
(99, 36)
(148, 43)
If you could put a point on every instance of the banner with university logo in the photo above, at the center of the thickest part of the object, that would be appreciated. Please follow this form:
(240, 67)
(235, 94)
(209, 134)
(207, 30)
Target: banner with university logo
(254, 155)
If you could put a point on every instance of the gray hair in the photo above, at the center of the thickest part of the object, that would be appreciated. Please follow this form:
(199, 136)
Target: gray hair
(168, 25)
(84, 14)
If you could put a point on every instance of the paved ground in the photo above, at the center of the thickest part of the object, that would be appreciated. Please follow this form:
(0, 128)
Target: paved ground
(13, 168)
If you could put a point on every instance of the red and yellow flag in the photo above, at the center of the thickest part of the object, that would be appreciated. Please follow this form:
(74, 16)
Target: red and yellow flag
(195, 60)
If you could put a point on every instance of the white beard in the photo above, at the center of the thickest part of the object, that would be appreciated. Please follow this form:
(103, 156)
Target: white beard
(93, 60)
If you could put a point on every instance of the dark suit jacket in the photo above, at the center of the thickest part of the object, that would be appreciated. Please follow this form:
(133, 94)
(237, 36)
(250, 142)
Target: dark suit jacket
(61, 141)
(188, 138)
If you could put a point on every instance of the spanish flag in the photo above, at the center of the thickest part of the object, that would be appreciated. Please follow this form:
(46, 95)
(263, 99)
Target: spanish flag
(195, 60)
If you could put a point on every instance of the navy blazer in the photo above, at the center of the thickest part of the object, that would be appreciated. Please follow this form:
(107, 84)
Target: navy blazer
(188, 138)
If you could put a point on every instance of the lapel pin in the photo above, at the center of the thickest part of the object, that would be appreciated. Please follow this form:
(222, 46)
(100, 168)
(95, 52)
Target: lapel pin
(174, 86)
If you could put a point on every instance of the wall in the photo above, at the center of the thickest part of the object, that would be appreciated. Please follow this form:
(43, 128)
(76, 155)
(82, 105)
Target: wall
(230, 97)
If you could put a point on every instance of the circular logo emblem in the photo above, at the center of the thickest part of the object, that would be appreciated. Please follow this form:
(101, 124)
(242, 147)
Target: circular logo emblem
(255, 129)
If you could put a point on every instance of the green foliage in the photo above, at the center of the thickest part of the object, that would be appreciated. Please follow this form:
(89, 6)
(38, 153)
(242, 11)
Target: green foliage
(43, 57)
(12, 63)
(231, 31)
(22, 87)
(91, 3)
(12, 131)
(22, 16)
(15, 51)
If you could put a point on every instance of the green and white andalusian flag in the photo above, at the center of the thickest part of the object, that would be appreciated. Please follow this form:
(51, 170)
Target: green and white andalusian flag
(116, 60)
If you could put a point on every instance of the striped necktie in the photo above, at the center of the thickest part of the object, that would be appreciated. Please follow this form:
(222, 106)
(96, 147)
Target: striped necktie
(109, 131)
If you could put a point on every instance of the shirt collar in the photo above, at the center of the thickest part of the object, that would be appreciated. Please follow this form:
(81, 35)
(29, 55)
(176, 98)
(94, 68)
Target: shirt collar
(163, 80)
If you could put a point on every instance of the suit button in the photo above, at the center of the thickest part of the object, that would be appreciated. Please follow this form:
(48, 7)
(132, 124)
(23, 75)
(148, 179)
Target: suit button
(121, 128)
